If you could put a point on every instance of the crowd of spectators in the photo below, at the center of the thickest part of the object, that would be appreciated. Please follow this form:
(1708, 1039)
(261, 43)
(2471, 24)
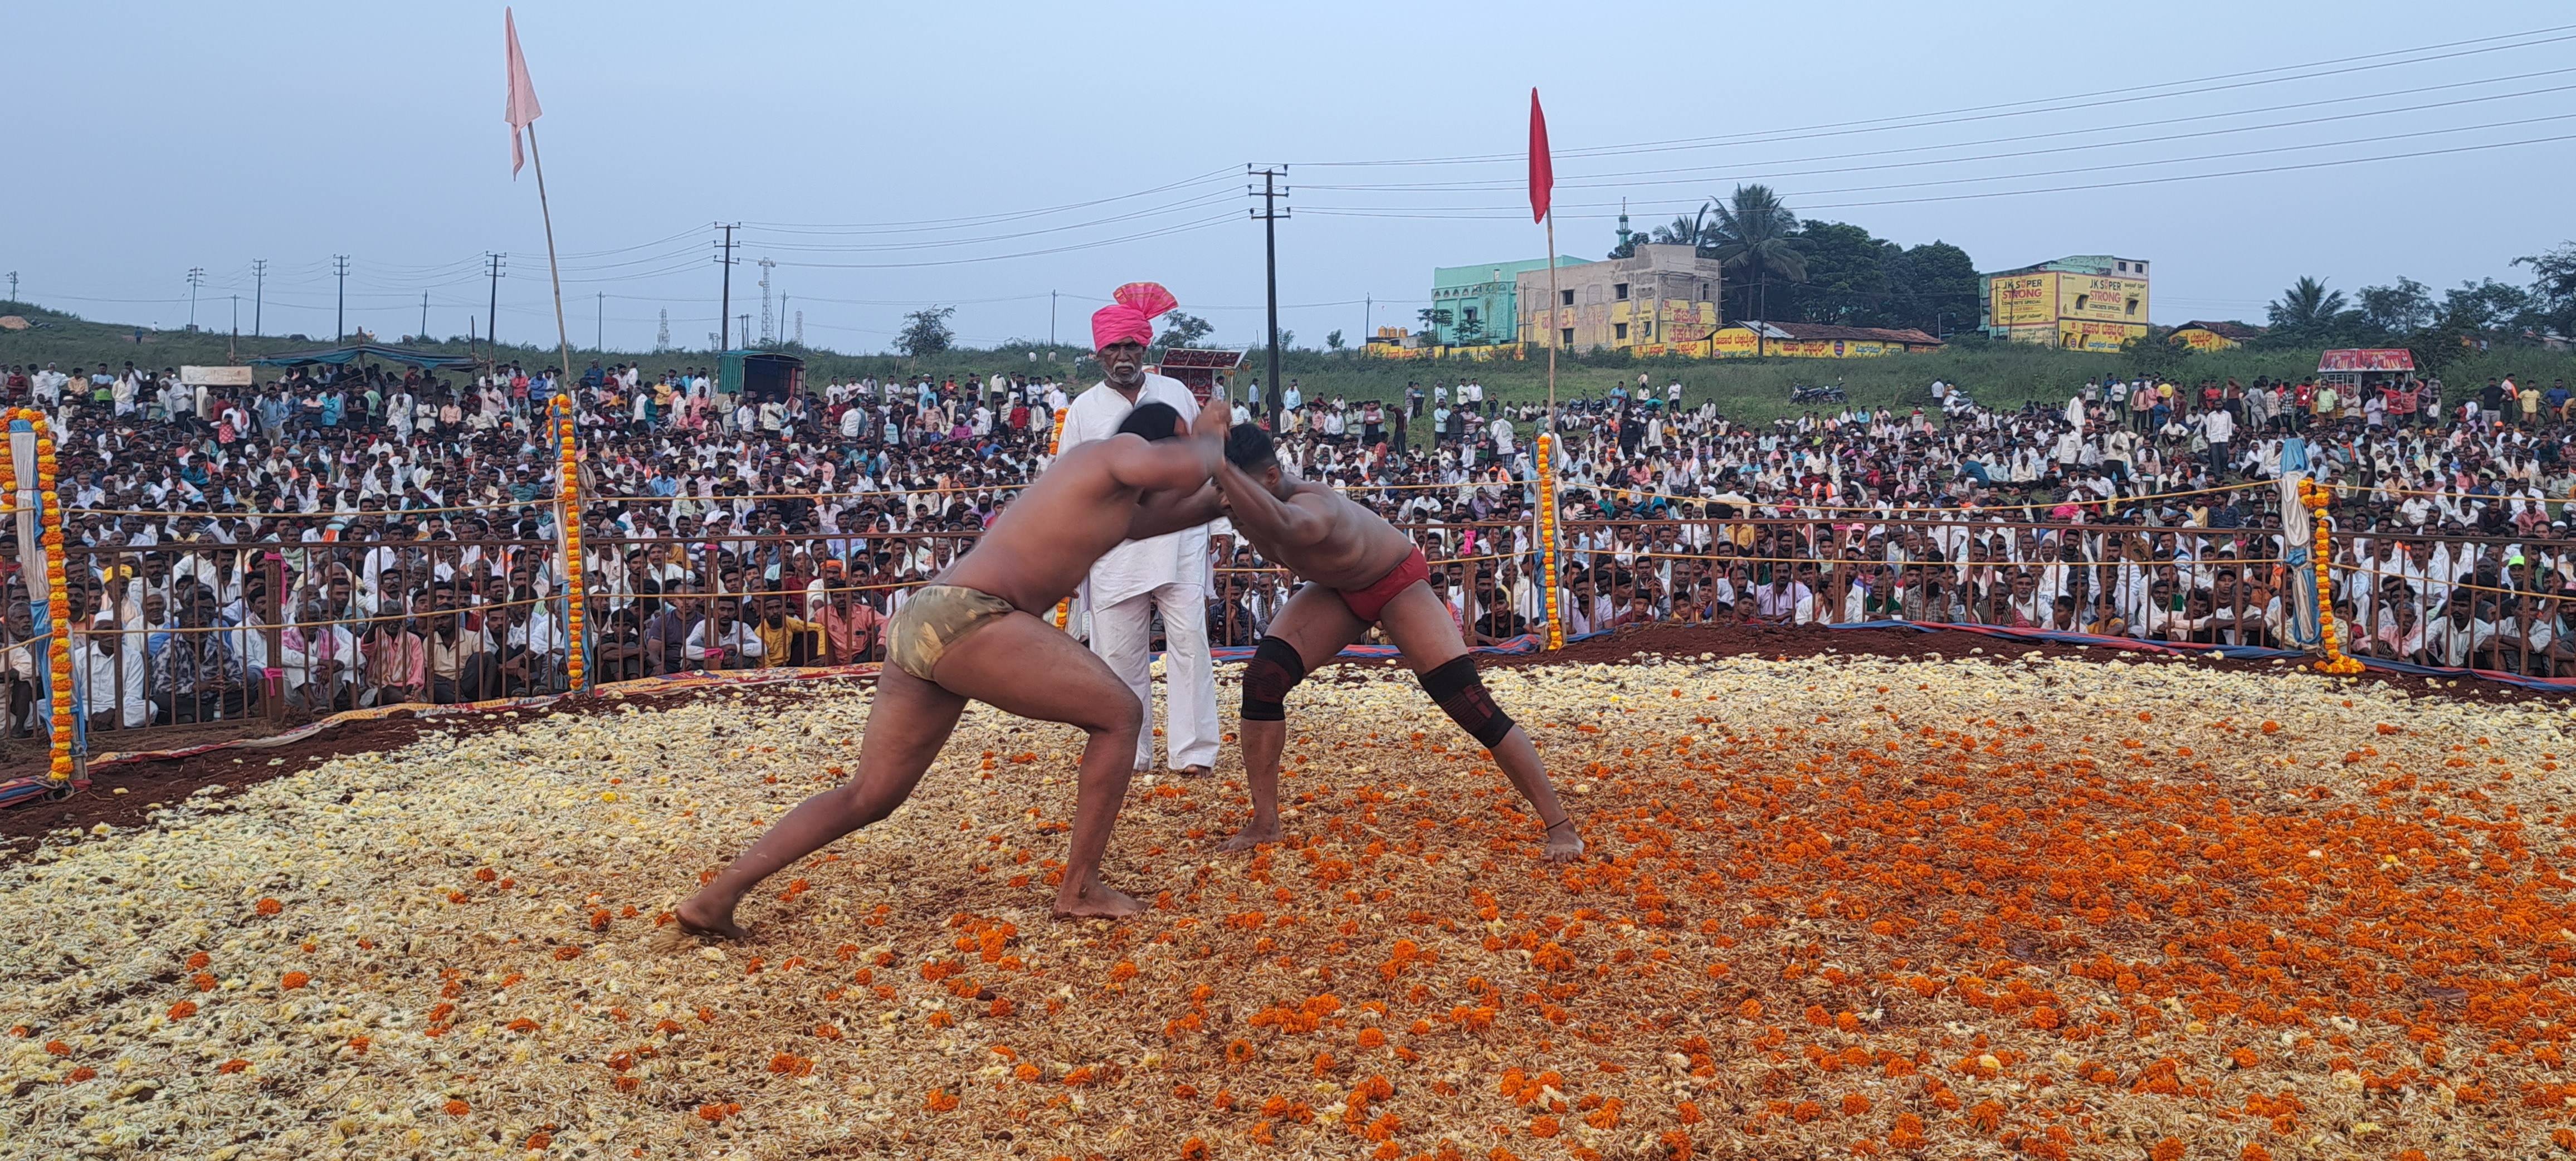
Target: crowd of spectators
(355, 536)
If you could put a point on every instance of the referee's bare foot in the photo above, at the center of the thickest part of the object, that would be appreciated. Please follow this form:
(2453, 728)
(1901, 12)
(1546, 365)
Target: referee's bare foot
(1093, 899)
(1253, 834)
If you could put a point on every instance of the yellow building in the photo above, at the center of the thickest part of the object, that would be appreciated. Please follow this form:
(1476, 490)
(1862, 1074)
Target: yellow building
(2214, 336)
(2084, 303)
(1814, 341)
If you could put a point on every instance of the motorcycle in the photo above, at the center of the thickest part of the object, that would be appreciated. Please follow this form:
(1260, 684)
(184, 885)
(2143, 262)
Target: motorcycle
(1798, 394)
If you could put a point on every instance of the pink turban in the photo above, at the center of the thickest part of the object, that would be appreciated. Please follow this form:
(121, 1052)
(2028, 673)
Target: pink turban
(1132, 315)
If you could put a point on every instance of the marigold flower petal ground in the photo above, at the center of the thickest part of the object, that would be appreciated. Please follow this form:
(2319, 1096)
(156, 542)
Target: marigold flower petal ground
(1844, 906)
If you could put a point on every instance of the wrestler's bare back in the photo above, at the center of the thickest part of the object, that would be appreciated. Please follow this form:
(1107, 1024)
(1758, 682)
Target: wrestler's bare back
(1086, 503)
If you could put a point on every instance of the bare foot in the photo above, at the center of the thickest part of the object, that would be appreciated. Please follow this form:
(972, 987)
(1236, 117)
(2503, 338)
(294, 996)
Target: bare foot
(1197, 771)
(1097, 900)
(1563, 844)
(706, 921)
(1252, 835)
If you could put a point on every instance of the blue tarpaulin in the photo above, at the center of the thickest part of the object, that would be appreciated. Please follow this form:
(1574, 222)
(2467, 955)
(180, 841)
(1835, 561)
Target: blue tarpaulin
(342, 356)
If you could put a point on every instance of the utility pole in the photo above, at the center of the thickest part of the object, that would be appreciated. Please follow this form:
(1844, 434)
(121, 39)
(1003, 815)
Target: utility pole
(662, 337)
(13, 286)
(782, 319)
(340, 319)
(768, 331)
(1269, 215)
(800, 328)
(196, 278)
(724, 305)
(1050, 312)
(1368, 317)
(424, 316)
(746, 326)
(229, 351)
(494, 264)
(258, 291)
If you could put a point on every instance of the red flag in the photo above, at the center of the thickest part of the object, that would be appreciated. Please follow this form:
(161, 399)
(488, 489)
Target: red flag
(522, 108)
(1542, 169)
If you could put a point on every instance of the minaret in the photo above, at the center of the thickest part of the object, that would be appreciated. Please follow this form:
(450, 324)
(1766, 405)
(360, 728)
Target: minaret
(1623, 225)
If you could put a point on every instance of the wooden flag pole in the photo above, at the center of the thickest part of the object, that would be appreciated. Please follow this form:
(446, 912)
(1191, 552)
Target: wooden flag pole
(562, 337)
(1555, 635)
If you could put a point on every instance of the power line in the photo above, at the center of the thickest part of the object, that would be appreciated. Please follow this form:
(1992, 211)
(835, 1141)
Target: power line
(2127, 95)
(1485, 212)
(1157, 233)
(1584, 181)
(2082, 169)
(980, 219)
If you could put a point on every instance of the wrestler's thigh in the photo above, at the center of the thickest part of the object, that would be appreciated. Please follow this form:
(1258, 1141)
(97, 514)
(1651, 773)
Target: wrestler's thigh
(909, 720)
(1417, 622)
(1021, 665)
(1317, 624)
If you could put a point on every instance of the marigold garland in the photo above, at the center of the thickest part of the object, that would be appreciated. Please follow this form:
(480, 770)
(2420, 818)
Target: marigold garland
(2316, 497)
(1547, 540)
(569, 512)
(49, 518)
(1055, 441)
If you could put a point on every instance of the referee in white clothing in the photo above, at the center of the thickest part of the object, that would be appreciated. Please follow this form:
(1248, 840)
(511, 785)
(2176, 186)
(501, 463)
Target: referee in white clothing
(1168, 572)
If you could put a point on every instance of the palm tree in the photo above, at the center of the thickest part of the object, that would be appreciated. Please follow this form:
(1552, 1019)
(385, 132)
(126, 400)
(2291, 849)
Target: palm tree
(2306, 308)
(1752, 234)
(1690, 231)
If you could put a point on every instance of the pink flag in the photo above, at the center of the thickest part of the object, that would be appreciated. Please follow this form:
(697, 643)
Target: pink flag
(523, 95)
(1542, 168)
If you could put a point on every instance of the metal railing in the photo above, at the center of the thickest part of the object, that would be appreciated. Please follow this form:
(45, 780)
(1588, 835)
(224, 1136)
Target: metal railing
(188, 634)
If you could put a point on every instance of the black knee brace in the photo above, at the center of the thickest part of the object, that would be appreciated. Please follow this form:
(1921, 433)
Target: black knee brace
(1275, 669)
(1462, 695)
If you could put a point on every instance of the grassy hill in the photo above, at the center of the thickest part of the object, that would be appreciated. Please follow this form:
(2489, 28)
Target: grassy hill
(1752, 389)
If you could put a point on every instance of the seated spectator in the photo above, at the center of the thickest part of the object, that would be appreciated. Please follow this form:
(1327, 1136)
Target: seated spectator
(722, 641)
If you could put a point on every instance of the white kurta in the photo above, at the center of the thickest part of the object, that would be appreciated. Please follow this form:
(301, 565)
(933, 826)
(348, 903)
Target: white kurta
(1137, 566)
(1126, 586)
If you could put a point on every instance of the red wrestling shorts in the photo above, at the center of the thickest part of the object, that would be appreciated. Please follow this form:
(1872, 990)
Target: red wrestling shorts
(1368, 603)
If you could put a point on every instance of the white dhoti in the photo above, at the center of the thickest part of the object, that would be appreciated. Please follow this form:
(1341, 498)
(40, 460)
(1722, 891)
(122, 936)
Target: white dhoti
(1169, 572)
(1122, 635)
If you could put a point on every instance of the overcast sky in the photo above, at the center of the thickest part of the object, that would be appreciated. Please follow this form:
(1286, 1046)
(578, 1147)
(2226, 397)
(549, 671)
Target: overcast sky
(1067, 148)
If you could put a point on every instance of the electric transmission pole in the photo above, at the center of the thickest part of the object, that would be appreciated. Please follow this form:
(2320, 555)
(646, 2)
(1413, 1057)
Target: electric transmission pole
(494, 264)
(13, 286)
(340, 320)
(662, 336)
(196, 278)
(599, 324)
(768, 331)
(1269, 214)
(724, 305)
(258, 292)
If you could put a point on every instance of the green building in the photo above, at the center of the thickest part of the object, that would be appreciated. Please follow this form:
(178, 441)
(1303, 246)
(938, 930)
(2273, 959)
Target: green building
(1482, 302)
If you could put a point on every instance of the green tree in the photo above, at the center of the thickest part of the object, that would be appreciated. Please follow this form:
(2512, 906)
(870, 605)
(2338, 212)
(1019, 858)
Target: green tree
(1470, 332)
(1847, 282)
(1433, 318)
(1931, 288)
(2553, 286)
(2307, 315)
(926, 331)
(1333, 341)
(1755, 237)
(2394, 312)
(1182, 330)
